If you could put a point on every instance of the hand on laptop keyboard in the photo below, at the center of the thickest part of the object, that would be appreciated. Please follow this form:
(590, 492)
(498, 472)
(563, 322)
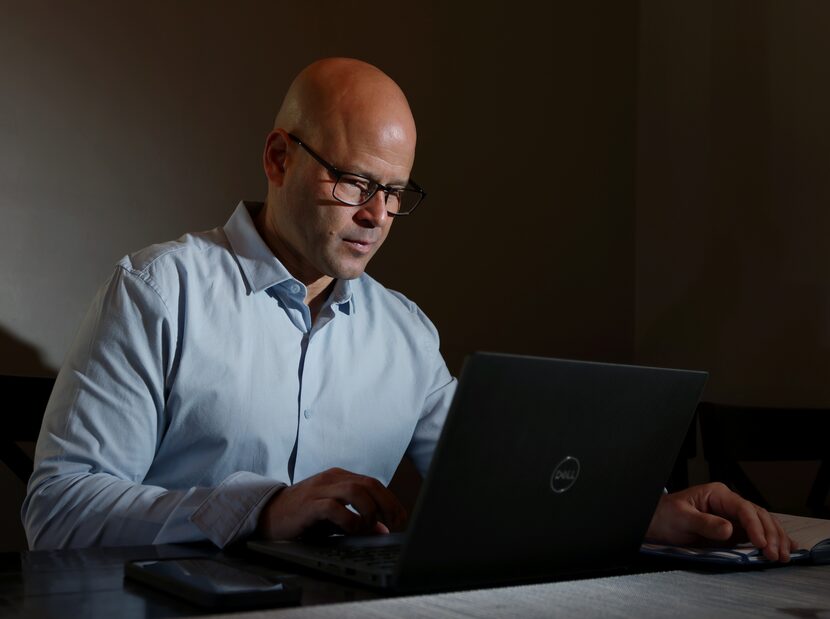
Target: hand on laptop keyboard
(320, 503)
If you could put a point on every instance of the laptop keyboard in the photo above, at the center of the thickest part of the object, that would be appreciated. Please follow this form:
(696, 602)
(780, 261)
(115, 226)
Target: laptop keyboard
(382, 558)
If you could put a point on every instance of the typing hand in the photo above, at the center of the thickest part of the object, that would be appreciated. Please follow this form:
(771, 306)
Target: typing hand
(712, 514)
(319, 504)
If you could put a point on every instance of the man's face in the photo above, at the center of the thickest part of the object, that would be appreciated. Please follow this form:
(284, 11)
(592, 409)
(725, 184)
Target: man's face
(322, 236)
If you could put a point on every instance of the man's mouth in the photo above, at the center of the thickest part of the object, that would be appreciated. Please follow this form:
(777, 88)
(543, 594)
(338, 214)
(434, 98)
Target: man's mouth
(359, 245)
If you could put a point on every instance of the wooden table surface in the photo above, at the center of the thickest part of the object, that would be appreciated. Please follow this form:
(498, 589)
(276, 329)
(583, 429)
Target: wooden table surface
(90, 583)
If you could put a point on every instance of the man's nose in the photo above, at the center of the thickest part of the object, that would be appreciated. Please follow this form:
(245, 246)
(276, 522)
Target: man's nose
(373, 213)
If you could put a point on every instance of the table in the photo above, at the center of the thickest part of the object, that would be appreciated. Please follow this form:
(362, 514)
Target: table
(89, 583)
(795, 591)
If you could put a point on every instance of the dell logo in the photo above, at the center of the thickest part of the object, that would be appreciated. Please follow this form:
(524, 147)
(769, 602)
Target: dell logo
(564, 475)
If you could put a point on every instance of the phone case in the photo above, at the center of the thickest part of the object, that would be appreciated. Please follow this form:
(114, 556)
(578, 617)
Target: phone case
(214, 584)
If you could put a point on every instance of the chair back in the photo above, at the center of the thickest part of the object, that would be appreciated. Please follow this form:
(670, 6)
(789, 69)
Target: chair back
(733, 434)
(26, 398)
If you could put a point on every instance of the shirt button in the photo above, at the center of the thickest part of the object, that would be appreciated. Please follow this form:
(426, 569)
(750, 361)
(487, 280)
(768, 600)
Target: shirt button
(307, 414)
(295, 288)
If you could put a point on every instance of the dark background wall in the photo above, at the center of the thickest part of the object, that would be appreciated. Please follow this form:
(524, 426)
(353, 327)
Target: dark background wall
(733, 267)
(733, 183)
(624, 181)
(128, 124)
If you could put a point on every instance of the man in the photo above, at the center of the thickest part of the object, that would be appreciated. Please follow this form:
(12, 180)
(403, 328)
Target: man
(252, 380)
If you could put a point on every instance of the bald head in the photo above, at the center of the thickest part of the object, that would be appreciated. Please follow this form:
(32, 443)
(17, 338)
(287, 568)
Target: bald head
(350, 115)
(343, 101)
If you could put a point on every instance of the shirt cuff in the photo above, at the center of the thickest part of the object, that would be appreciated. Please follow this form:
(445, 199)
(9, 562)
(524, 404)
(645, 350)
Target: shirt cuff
(231, 511)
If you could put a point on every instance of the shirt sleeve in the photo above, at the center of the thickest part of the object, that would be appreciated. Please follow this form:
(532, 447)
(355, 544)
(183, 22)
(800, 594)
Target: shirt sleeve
(439, 393)
(101, 430)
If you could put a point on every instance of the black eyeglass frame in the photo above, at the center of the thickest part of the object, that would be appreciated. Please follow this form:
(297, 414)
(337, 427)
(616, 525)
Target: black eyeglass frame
(338, 173)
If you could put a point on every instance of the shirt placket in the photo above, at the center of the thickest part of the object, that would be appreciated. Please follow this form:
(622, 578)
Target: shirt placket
(310, 366)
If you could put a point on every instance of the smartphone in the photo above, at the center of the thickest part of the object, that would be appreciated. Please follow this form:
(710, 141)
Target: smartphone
(213, 584)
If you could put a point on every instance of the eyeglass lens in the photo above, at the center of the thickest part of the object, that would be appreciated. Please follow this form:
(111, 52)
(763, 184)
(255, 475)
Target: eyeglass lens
(356, 190)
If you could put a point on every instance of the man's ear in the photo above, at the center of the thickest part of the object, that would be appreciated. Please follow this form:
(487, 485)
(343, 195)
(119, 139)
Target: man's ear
(274, 156)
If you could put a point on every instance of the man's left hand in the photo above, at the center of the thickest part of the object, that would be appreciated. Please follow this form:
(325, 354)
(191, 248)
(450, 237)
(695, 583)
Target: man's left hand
(712, 514)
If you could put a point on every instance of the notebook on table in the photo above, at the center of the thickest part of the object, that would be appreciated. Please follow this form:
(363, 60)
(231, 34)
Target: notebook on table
(545, 467)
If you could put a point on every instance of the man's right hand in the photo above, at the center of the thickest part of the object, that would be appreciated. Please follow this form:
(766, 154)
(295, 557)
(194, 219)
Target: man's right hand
(322, 499)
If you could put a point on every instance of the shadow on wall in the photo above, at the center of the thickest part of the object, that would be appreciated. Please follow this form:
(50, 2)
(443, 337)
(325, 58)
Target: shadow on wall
(21, 358)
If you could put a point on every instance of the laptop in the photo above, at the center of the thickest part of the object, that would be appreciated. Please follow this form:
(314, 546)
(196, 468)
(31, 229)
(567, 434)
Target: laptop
(545, 468)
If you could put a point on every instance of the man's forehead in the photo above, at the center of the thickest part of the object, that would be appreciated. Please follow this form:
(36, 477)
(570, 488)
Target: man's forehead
(385, 168)
(385, 153)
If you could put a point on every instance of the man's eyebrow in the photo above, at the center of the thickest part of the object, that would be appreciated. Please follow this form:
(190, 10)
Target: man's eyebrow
(371, 177)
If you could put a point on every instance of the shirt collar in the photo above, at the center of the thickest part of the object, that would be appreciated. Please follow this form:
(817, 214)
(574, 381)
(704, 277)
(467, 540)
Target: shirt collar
(343, 296)
(261, 268)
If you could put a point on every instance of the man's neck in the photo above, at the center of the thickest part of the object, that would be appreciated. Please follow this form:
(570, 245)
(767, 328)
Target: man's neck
(318, 286)
(318, 293)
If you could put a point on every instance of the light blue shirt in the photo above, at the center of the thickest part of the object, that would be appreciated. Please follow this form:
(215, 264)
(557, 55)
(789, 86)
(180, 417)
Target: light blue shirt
(198, 386)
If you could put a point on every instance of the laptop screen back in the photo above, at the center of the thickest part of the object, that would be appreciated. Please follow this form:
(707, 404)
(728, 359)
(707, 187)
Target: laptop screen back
(545, 466)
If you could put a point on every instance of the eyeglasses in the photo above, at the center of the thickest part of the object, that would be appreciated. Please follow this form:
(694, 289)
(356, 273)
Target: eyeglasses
(355, 189)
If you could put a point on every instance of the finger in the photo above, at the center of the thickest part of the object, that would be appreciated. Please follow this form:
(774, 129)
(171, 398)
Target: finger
(343, 486)
(392, 513)
(762, 529)
(730, 505)
(782, 540)
(771, 548)
(791, 544)
(389, 509)
(335, 512)
(373, 501)
(751, 522)
(353, 494)
(708, 526)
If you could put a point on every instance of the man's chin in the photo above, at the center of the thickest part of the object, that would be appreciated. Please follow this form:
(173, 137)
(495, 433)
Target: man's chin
(348, 271)
(346, 265)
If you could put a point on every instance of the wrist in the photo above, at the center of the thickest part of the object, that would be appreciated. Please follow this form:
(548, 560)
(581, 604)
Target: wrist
(265, 522)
